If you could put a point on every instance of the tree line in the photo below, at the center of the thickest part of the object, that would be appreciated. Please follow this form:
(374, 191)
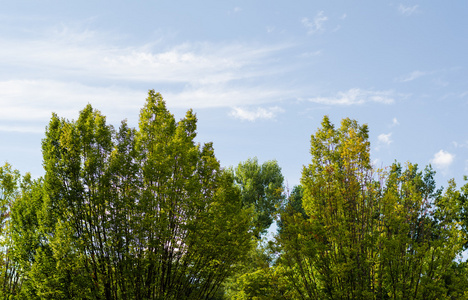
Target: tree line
(148, 213)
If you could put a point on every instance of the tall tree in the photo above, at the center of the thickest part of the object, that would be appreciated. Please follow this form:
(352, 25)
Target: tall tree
(140, 214)
(10, 181)
(420, 237)
(197, 229)
(292, 205)
(262, 188)
(26, 234)
(367, 236)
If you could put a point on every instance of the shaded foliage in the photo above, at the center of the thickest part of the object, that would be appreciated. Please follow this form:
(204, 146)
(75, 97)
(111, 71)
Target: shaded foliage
(261, 187)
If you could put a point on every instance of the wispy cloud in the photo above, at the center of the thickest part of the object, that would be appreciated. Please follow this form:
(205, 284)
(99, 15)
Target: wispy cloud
(235, 10)
(395, 122)
(22, 128)
(270, 29)
(256, 114)
(441, 82)
(412, 76)
(460, 145)
(311, 54)
(223, 96)
(78, 54)
(407, 10)
(376, 162)
(316, 25)
(63, 70)
(385, 138)
(442, 160)
(356, 96)
(35, 100)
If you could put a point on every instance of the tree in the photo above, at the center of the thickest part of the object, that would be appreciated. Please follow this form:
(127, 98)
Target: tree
(135, 214)
(367, 236)
(26, 236)
(261, 277)
(11, 183)
(293, 205)
(462, 202)
(261, 187)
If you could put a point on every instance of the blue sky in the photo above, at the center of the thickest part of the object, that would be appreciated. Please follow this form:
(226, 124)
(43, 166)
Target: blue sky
(259, 74)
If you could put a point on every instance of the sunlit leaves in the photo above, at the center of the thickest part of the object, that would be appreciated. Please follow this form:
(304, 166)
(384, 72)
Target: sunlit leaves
(141, 213)
(368, 234)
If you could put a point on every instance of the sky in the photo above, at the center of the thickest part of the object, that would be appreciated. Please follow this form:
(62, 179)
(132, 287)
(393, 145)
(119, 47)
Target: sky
(260, 75)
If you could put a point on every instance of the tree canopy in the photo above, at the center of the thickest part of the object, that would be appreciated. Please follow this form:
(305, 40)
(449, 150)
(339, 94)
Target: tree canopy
(148, 213)
(368, 234)
(261, 187)
(132, 214)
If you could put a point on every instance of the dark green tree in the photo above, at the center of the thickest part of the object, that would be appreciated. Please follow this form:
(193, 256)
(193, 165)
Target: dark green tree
(261, 187)
(292, 205)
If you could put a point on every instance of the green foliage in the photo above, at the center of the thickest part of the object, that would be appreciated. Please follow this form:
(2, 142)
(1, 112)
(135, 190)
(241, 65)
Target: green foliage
(420, 237)
(259, 278)
(262, 188)
(462, 203)
(367, 234)
(292, 206)
(148, 213)
(25, 230)
(10, 183)
(130, 214)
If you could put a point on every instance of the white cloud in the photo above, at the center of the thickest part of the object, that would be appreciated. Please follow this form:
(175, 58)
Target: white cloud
(395, 122)
(235, 10)
(35, 100)
(223, 96)
(377, 163)
(440, 82)
(22, 129)
(385, 138)
(356, 96)
(442, 160)
(80, 67)
(460, 145)
(407, 10)
(270, 29)
(259, 113)
(78, 54)
(412, 76)
(315, 26)
(338, 27)
(311, 54)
